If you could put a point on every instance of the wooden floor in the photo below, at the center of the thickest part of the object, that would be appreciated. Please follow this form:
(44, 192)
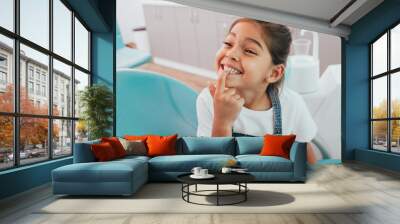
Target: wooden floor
(378, 188)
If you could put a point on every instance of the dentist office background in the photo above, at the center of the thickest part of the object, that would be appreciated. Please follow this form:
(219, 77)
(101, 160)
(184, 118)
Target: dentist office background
(180, 42)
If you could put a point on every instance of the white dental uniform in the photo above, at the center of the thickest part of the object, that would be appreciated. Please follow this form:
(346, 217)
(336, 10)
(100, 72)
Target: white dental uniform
(296, 119)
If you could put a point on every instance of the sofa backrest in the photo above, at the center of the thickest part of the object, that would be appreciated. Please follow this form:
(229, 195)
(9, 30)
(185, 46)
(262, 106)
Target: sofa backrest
(249, 145)
(83, 153)
(206, 145)
(192, 146)
(253, 145)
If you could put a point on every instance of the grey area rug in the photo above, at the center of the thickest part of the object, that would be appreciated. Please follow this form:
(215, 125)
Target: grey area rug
(166, 198)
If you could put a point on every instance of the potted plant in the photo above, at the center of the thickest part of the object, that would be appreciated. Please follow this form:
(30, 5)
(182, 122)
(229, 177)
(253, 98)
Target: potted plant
(96, 102)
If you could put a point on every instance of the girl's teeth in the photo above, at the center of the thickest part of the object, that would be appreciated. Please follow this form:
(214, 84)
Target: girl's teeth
(231, 70)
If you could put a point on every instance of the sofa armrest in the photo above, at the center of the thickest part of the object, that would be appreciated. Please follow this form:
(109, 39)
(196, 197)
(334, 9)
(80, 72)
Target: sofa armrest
(83, 152)
(298, 155)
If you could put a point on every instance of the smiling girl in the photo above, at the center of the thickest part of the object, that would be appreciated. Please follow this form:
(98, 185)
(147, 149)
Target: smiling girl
(248, 98)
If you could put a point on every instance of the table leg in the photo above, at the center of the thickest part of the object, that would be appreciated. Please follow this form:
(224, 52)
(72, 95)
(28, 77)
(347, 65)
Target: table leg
(188, 189)
(217, 194)
(245, 193)
(196, 188)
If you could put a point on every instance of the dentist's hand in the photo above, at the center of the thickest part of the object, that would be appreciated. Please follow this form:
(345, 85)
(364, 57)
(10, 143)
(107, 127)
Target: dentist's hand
(227, 105)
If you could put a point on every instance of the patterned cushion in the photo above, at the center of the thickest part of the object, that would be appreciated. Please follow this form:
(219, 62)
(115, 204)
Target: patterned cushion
(134, 147)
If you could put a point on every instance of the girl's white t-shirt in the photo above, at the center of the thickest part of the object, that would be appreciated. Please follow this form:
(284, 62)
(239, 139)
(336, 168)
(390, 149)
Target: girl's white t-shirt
(296, 119)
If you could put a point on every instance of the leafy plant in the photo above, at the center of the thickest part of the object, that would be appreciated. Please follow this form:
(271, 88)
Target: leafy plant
(96, 102)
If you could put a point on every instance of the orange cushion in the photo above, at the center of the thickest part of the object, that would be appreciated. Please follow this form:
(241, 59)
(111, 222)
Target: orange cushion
(277, 145)
(103, 151)
(161, 145)
(116, 145)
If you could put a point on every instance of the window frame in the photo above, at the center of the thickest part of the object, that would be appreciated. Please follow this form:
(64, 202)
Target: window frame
(16, 115)
(388, 74)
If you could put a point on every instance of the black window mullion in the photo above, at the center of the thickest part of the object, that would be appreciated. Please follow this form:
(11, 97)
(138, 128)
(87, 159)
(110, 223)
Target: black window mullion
(389, 104)
(16, 84)
(89, 53)
(50, 87)
(371, 137)
(73, 82)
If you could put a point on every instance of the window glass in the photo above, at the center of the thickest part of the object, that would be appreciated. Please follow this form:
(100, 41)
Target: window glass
(379, 135)
(33, 139)
(7, 14)
(379, 97)
(81, 81)
(6, 74)
(62, 137)
(62, 29)
(395, 136)
(34, 21)
(62, 91)
(39, 61)
(6, 142)
(34, 81)
(379, 55)
(81, 45)
(81, 131)
(395, 47)
(395, 94)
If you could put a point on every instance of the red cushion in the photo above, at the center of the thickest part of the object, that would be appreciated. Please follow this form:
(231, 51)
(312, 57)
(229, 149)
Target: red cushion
(103, 151)
(116, 145)
(161, 145)
(277, 145)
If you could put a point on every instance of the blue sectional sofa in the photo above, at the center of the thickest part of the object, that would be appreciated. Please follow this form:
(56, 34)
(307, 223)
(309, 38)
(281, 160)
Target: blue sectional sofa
(125, 176)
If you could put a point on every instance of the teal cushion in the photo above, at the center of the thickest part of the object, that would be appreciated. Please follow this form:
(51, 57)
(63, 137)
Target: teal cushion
(249, 145)
(185, 163)
(257, 163)
(206, 145)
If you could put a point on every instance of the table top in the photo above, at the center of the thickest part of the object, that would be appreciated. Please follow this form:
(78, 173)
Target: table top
(220, 178)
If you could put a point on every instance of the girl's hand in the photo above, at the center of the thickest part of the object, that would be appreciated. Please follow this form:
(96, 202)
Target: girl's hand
(227, 103)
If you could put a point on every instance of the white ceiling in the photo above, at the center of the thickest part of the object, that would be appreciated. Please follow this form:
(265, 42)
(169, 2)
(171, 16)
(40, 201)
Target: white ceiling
(316, 15)
(320, 9)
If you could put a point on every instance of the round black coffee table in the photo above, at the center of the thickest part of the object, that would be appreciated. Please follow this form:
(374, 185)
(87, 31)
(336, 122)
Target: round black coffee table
(238, 179)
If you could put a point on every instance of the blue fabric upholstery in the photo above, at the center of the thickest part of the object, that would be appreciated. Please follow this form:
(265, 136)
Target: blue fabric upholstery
(167, 168)
(298, 154)
(206, 145)
(257, 163)
(184, 163)
(118, 177)
(249, 145)
(126, 175)
(83, 152)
